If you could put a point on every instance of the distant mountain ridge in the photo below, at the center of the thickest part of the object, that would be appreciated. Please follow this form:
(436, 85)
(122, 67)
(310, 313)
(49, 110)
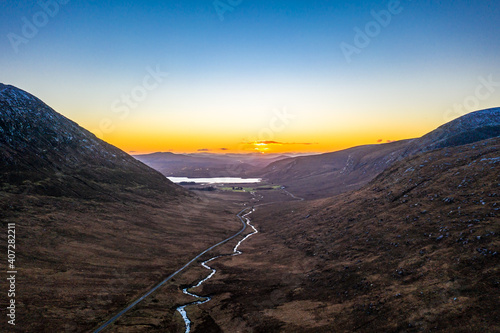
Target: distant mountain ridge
(42, 150)
(207, 164)
(333, 173)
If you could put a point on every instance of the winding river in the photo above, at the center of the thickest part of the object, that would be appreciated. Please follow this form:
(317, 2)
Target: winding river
(202, 299)
(245, 223)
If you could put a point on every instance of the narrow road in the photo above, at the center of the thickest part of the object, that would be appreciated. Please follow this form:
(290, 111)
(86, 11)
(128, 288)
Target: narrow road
(245, 221)
(128, 308)
(203, 299)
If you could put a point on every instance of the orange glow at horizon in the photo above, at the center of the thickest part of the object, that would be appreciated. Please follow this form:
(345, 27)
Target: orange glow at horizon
(306, 134)
(146, 143)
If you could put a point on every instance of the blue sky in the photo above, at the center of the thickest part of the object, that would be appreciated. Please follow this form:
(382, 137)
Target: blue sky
(229, 76)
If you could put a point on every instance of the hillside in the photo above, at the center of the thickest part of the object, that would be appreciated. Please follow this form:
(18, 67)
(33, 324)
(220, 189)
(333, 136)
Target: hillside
(324, 175)
(329, 174)
(195, 165)
(206, 165)
(95, 228)
(416, 250)
(470, 128)
(42, 152)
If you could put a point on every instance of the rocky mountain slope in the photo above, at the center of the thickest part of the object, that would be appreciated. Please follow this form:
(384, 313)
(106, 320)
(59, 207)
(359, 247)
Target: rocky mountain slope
(333, 173)
(43, 152)
(416, 250)
(95, 228)
(470, 128)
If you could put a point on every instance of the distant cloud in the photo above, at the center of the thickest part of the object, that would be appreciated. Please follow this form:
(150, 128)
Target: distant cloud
(389, 141)
(279, 143)
(207, 149)
(385, 141)
(379, 140)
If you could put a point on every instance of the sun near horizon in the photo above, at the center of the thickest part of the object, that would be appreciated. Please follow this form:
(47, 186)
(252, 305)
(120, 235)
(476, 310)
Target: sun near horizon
(294, 140)
(265, 77)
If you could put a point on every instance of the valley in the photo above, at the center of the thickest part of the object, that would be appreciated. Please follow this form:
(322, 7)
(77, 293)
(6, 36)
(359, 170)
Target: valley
(84, 260)
(234, 166)
(415, 250)
(398, 237)
(159, 312)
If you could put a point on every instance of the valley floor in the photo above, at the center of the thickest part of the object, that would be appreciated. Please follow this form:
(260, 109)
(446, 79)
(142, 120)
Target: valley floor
(81, 261)
(158, 312)
(414, 251)
(417, 250)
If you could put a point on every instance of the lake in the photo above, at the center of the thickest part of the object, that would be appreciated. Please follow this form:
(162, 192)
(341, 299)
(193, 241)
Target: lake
(216, 180)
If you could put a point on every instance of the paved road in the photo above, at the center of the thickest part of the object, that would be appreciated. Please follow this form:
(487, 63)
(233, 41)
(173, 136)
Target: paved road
(205, 299)
(128, 308)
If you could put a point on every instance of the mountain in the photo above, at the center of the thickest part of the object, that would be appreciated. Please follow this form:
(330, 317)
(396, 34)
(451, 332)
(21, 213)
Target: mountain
(194, 165)
(333, 173)
(470, 128)
(45, 153)
(415, 250)
(329, 174)
(206, 165)
(95, 229)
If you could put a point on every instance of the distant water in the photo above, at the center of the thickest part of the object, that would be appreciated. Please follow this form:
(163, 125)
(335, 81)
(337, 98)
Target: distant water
(217, 180)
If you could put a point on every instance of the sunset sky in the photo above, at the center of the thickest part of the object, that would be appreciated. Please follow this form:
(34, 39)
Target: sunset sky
(243, 76)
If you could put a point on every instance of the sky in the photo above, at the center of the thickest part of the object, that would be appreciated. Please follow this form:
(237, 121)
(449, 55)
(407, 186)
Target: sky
(254, 76)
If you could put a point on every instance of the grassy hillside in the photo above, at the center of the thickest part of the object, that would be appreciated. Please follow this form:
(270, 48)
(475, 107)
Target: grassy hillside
(325, 175)
(95, 228)
(415, 250)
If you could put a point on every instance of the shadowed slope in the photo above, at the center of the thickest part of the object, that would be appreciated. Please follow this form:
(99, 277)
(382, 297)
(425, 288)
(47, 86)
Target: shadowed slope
(415, 250)
(329, 174)
(43, 152)
(95, 228)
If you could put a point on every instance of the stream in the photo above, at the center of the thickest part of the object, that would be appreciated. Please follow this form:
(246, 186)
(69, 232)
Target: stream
(202, 299)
